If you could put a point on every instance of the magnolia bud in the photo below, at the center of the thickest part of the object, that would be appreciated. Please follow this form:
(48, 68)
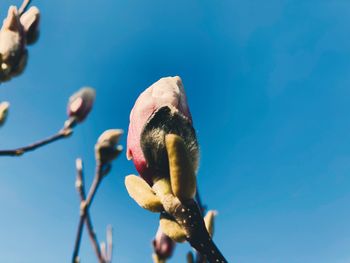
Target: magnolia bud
(163, 245)
(107, 148)
(30, 22)
(12, 45)
(4, 106)
(80, 103)
(160, 110)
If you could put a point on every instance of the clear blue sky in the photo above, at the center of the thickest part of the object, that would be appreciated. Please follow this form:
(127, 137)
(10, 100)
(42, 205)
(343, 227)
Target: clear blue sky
(268, 86)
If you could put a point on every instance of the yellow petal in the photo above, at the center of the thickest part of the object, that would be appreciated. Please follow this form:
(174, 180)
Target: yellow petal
(182, 175)
(209, 221)
(142, 193)
(172, 229)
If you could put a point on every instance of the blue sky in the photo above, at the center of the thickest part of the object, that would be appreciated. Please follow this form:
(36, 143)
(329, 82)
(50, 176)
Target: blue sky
(268, 86)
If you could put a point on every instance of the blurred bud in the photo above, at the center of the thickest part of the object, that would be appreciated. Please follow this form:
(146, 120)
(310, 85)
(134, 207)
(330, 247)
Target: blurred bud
(159, 110)
(209, 221)
(163, 245)
(4, 106)
(30, 22)
(80, 103)
(107, 148)
(12, 45)
(103, 249)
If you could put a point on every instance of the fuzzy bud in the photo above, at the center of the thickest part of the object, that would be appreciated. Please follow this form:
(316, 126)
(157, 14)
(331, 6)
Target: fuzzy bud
(107, 148)
(160, 110)
(80, 103)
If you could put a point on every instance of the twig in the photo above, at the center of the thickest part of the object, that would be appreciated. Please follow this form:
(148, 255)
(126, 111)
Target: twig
(23, 7)
(103, 251)
(84, 213)
(93, 237)
(109, 237)
(19, 151)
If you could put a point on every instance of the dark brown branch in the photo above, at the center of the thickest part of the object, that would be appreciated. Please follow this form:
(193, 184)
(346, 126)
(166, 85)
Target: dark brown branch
(199, 257)
(84, 212)
(19, 151)
(189, 216)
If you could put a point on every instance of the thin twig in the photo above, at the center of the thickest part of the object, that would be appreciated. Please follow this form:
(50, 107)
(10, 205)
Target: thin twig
(93, 238)
(19, 151)
(103, 251)
(109, 237)
(23, 7)
(84, 213)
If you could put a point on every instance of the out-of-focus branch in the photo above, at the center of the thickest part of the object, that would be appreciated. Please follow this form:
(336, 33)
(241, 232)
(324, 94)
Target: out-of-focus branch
(106, 150)
(23, 7)
(109, 237)
(63, 133)
(84, 210)
(78, 108)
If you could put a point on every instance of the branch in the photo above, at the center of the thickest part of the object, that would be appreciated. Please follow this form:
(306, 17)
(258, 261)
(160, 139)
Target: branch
(63, 133)
(189, 216)
(107, 249)
(84, 213)
(23, 7)
(200, 258)
(109, 236)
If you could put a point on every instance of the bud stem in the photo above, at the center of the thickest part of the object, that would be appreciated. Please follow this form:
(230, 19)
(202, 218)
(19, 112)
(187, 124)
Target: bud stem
(85, 216)
(23, 7)
(189, 216)
(19, 151)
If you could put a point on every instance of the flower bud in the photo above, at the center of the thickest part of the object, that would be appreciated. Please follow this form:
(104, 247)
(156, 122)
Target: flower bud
(163, 245)
(160, 110)
(30, 22)
(80, 103)
(12, 45)
(107, 148)
(4, 106)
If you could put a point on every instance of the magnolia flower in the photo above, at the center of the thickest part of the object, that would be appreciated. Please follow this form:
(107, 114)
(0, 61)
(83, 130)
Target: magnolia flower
(80, 103)
(163, 245)
(107, 148)
(161, 109)
(4, 106)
